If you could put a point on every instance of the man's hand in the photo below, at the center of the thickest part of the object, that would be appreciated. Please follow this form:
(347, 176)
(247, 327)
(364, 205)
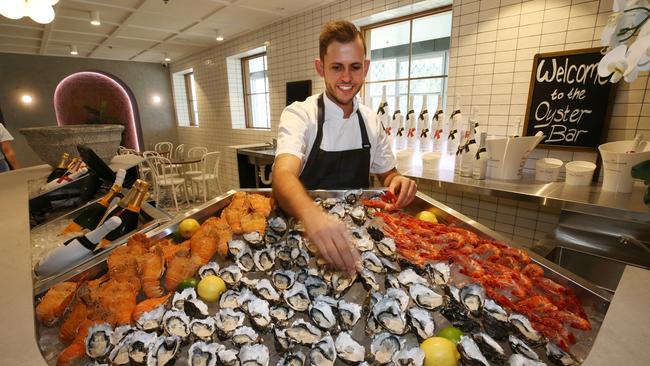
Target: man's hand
(332, 238)
(404, 188)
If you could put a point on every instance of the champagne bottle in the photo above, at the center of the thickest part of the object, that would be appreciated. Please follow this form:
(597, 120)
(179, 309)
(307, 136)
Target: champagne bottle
(397, 124)
(455, 120)
(91, 216)
(60, 169)
(479, 169)
(438, 121)
(470, 147)
(74, 250)
(130, 214)
(411, 123)
(423, 121)
(382, 112)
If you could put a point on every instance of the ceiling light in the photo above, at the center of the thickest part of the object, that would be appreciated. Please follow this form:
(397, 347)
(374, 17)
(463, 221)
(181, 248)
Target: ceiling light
(13, 9)
(40, 11)
(219, 36)
(73, 50)
(167, 58)
(156, 99)
(94, 18)
(27, 99)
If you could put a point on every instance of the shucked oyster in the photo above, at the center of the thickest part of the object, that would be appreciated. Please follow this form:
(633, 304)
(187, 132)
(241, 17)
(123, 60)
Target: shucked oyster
(228, 357)
(348, 349)
(140, 345)
(203, 328)
(522, 324)
(264, 259)
(231, 275)
(557, 355)
(372, 262)
(236, 246)
(267, 291)
(369, 279)
(297, 297)
(178, 301)
(495, 320)
(210, 269)
(409, 357)
(322, 315)
(227, 320)
(521, 360)
(278, 224)
(388, 314)
(283, 280)
(384, 346)
(316, 286)
(304, 333)
(341, 282)
(203, 354)
(408, 277)
(387, 247)
(254, 238)
(176, 323)
(195, 309)
(120, 353)
(259, 312)
(422, 322)
(425, 297)
(152, 319)
(470, 353)
(281, 314)
(472, 297)
(244, 335)
(163, 351)
(254, 355)
(245, 260)
(439, 272)
(323, 353)
(400, 295)
(98, 341)
(297, 358)
(349, 314)
(519, 346)
(229, 299)
(492, 350)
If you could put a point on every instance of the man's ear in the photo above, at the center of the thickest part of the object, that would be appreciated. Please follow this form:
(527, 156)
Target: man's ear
(366, 67)
(320, 68)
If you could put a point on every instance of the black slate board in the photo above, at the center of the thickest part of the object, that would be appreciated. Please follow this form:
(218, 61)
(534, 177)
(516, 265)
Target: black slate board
(568, 101)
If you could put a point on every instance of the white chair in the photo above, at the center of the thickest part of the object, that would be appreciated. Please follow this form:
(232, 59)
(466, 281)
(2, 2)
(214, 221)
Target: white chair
(125, 151)
(209, 173)
(166, 176)
(178, 152)
(194, 169)
(143, 167)
(164, 148)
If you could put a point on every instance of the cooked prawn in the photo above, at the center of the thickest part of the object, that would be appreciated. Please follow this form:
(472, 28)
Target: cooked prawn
(253, 222)
(148, 305)
(260, 204)
(151, 266)
(211, 238)
(53, 304)
(70, 325)
(182, 266)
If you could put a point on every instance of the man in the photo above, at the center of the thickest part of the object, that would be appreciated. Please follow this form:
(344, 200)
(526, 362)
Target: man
(330, 141)
(8, 156)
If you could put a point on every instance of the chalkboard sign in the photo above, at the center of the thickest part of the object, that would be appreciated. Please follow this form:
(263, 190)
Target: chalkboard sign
(568, 101)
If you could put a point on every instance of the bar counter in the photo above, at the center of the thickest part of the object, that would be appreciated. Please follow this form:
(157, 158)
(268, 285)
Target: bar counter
(622, 339)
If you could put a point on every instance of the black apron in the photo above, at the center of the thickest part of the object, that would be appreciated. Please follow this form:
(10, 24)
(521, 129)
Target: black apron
(337, 169)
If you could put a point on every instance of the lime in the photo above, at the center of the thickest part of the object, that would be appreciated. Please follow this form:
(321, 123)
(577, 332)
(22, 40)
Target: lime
(177, 237)
(210, 288)
(188, 227)
(439, 352)
(427, 216)
(187, 283)
(451, 333)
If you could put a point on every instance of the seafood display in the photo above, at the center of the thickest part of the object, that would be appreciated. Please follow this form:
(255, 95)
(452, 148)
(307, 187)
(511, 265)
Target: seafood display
(283, 307)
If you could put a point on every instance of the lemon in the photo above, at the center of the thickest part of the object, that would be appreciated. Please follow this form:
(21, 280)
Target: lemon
(439, 352)
(427, 216)
(188, 227)
(210, 288)
(451, 333)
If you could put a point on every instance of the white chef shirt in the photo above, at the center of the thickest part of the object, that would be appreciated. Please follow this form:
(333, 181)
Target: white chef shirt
(4, 134)
(299, 125)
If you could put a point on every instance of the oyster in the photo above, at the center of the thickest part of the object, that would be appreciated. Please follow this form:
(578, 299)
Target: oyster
(300, 257)
(297, 358)
(254, 355)
(369, 279)
(349, 314)
(408, 277)
(283, 280)
(203, 329)
(341, 282)
(348, 349)
(522, 324)
(470, 353)
(228, 357)
(244, 298)
(303, 332)
(259, 312)
(249, 282)
(294, 239)
(227, 320)
(559, 357)
(281, 314)
(297, 297)
(120, 353)
(519, 346)
(254, 238)
(164, 351)
(322, 315)
(231, 275)
(425, 297)
(422, 322)
(384, 346)
(244, 335)
(391, 281)
(178, 301)
(439, 272)
(329, 202)
(472, 297)
(387, 247)
(210, 269)
(372, 326)
(364, 244)
(358, 215)
(390, 265)
(520, 360)
(375, 233)
(278, 224)
(283, 254)
(235, 246)
(267, 291)
(456, 312)
(203, 354)
(495, 320)
(229, 300)
(338, 210)
(388, 314)
(282, 341)
(352, 196)
(316, 286)
(372, 262)
(409, 357)
(490, 348)
(264, 259)
(400, 295)
(195, 309)
(151, 319)
(98, 341)
(176, 323)
(140, 345)
(328, 300)
(271, 237)
(323, 353)
(245, 260)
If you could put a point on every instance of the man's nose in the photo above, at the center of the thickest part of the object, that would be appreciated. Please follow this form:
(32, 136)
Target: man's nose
(346, 75)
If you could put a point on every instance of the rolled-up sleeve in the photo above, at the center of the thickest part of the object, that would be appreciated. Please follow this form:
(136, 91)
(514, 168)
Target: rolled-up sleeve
(383, 159)
(292, 132)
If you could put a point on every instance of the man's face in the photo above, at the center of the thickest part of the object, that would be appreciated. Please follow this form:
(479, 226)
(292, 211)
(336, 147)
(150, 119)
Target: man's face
(344, 69)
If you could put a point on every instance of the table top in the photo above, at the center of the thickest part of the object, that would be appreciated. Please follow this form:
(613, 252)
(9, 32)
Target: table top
(186, 160)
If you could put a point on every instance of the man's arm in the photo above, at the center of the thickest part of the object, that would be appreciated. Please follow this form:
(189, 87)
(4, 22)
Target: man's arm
(405, 188)
(10, 155)
(328, 234)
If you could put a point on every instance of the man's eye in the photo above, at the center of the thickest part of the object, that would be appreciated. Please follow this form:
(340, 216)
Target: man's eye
(336, 68)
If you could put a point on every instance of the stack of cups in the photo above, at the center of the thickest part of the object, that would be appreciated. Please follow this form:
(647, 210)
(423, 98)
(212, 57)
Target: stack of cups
(547, 169)
(404, 159)
(579, 173)
(430, 162)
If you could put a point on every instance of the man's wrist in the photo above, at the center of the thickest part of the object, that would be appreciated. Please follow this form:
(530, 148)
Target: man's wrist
(389, 178)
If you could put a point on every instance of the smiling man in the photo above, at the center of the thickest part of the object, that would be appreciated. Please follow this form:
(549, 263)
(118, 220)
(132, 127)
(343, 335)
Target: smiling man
(331, 141)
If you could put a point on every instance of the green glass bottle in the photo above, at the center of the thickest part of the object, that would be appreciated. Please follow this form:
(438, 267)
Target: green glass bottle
(129, 215)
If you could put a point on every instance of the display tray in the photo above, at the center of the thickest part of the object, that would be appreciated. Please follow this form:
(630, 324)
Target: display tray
(594, 301)
(45, 238)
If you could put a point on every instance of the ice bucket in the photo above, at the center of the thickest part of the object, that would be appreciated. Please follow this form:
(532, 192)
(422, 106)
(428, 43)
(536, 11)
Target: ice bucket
(507, 156)
(617, 165)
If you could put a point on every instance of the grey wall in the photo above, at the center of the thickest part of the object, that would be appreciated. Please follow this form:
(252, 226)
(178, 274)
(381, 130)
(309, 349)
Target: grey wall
(39, 76)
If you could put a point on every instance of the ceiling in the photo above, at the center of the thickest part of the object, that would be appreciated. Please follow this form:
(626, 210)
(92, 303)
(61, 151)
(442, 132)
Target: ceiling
(143, 30)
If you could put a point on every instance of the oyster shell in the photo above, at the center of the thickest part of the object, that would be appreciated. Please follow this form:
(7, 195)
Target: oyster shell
(348, 349)
(369, 279)
(316, 287)
(210, 269)
(228, 357)
(140, 345)
(203, 354)
(388, 314)
(364, 244)
(244, 335)
(178, 301)
(472, 296)
(281, 314)
(176, 323)
(264, 259)
(282, 341)
(278, 224)
(294, 239)
(259, 312)
(391, 281)
(271, 237)
(384, 346)
(521, 360)
(495, 320)
(328, 203)
(349, 314)
(456, 312)
(229, 300)
(409, 357)
(400, 295)
(119, 355)
(235, 246)
(231, 275)
(267, 291)
(300, 257)
(254, 238)
(203, 329)
(522, 324)
(303, 332)
(375, 233)
(492, 350)
(283, 280)
(470, 353)
(245, 260)
(227, 320)
(341, 282)
(519, 346)
(358, 215)
(244, 298)
(422, 322)
(323, 353)
(338, 210)
(439, 272)
(98, 341)
(372, 262)
(390, 265)
(152, 319)
(249, 282)
(254, 355)
(297, 358)
(387, 247)
(408, 277)
(352, 196)
(561, 358)
(297, 297)
(163, 351)
(425, 297)
(195, 309)
(322, 315)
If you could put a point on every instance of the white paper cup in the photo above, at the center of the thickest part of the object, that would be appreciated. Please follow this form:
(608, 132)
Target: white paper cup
(547, 169)
(617, 165)
(430, 162)
(579, 173)
(404, 159)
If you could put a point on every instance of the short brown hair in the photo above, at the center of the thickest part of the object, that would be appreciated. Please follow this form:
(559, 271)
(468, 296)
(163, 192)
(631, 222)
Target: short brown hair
(341, 31)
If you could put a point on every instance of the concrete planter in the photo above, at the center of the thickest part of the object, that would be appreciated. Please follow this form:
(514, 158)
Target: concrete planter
(49, 143)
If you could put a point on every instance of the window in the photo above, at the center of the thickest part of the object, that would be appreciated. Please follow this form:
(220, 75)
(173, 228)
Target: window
(410, 56)
(192, 102)
(256, 91)
(185, 98)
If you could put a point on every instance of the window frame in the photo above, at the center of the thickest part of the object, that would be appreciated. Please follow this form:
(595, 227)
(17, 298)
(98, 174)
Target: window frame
(248, 113)
(191, 98)
(366, 29)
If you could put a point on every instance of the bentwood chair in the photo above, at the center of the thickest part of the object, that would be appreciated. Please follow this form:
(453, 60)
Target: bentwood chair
(165, 176)
(209, 173)
(164, 148)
